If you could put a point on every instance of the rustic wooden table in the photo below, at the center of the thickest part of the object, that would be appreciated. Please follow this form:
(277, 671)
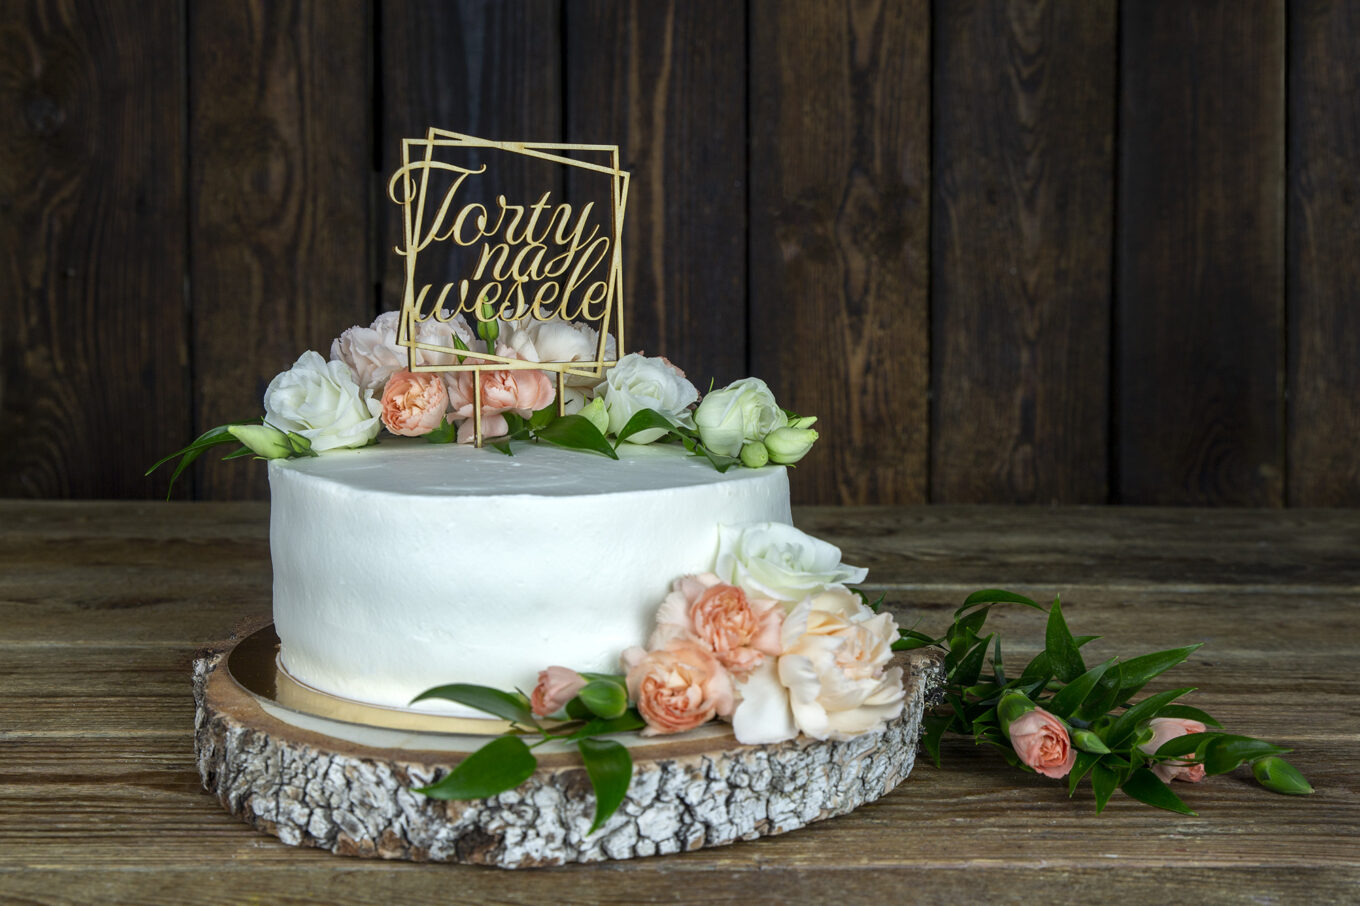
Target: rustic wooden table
(103, 604)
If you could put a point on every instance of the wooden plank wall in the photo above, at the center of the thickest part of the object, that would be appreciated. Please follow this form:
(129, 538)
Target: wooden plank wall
(1068, 251)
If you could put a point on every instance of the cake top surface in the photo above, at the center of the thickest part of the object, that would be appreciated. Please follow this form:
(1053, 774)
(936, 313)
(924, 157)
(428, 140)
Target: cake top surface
(411, 466)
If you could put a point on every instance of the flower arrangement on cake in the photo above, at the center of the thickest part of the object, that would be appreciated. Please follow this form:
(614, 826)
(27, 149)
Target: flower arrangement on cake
(346, 402)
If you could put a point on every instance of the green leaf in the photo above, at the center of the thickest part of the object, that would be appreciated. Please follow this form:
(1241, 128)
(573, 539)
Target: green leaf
(610, 769)
(719, 461)
(543, 416)
(642, 420)
(208, 439)
(934, 728)
(575, 432)
(514, 423)
(239, 454)
(1192, 744)
(1039, 670)
(627, 722)
(1148, 788)
(502, 446)
(604, 698)
(995, 596)
(507, 705)
(1070, 697)
(1104, 781)
(444, 434)
(1279, 776)
(1146, 709)
(502, 764)
(967, 671)
(998, 672)
(1061, 648)
(1225, 752)
(1188, 713)
(1102, 701)
(1080, 768)
(1137, 672)
(301, 445)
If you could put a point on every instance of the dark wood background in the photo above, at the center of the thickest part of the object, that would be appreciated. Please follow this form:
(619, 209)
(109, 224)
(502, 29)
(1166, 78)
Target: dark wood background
(1084, 251)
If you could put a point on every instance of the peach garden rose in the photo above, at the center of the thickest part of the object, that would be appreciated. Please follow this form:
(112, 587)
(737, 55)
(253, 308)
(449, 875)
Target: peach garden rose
(414, 404)
(512, 390)
(740, 629)
(1163, 730)
(678, 687)
(556, 686)
(1043, 743)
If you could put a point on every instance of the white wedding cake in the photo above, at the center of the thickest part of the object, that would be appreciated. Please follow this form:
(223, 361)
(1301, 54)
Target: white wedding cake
(407, 565)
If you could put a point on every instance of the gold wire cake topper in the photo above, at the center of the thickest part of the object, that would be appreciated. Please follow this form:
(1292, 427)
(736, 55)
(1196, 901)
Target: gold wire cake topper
(539, 261)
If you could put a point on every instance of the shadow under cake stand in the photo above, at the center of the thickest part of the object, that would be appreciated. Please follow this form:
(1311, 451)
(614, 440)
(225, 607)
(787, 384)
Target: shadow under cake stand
(317, 771)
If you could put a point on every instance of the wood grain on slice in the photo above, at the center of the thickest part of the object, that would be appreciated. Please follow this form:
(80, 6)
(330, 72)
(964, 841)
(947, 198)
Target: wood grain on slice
(279, 172)
(94, 371)
(666, 81)
(1324, 270)
(488, 68)
(1200, 282)
(839, 226)
(1022, 213)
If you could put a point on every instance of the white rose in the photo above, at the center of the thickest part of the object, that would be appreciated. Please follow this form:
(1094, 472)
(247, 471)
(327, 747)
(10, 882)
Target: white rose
(559, 341)
(778, 561)
(740, 412)
(638, 383)
(321, 401)
(373, 355)
(834, 665)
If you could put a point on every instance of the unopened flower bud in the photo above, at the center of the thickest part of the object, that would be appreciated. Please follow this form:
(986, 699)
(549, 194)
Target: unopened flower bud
(263, 440)
(754, 455)
(488, 328)
(595, 413)
(788, 445)
(1279, 776)
(807, 421)
(1087, 741)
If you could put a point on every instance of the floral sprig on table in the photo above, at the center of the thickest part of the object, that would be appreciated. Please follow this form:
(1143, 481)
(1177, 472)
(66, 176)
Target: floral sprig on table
(345, 402)
(771, 640)
(1061, 719)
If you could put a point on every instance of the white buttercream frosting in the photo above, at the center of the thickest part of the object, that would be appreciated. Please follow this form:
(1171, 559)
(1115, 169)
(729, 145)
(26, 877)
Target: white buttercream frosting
(407, 565)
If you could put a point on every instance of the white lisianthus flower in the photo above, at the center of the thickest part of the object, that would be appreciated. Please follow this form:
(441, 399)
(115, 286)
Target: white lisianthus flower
(322, 401)
(739, 413)
(638, 383)
(778, 561)
(835, 666)
(373, 355)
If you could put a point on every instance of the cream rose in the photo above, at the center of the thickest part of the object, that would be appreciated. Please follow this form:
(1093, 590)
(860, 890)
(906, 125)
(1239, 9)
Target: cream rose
(559, 341)
(374, 356)
(414, 404)
(778, 561)
(321, 401)
(1165, 729)
(638, 383)
(739, 629)
(739, 413)
(835, 666)
(678, 687)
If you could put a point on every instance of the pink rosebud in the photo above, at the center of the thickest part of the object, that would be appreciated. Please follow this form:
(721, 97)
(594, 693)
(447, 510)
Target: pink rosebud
(678, 687)
(414, 404)
(1042, 743)
(556, 686)
(1167, 728)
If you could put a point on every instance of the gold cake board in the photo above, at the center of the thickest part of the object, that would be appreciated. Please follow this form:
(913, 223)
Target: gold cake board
(314, 771)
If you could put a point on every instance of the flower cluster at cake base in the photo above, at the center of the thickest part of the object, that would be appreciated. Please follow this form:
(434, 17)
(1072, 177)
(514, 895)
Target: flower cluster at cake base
(365, 388)
(771, 639)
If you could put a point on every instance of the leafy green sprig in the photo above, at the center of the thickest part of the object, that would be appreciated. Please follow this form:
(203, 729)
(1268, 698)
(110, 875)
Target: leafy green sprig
(255, 438)
(599, 709)
(1095, 704)
(576, 432)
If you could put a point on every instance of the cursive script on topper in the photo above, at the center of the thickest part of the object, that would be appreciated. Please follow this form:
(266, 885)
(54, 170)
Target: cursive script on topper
(541, 260)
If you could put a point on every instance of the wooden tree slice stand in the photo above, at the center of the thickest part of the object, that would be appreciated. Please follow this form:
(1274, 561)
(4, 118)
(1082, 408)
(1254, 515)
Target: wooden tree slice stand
(314, 781)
